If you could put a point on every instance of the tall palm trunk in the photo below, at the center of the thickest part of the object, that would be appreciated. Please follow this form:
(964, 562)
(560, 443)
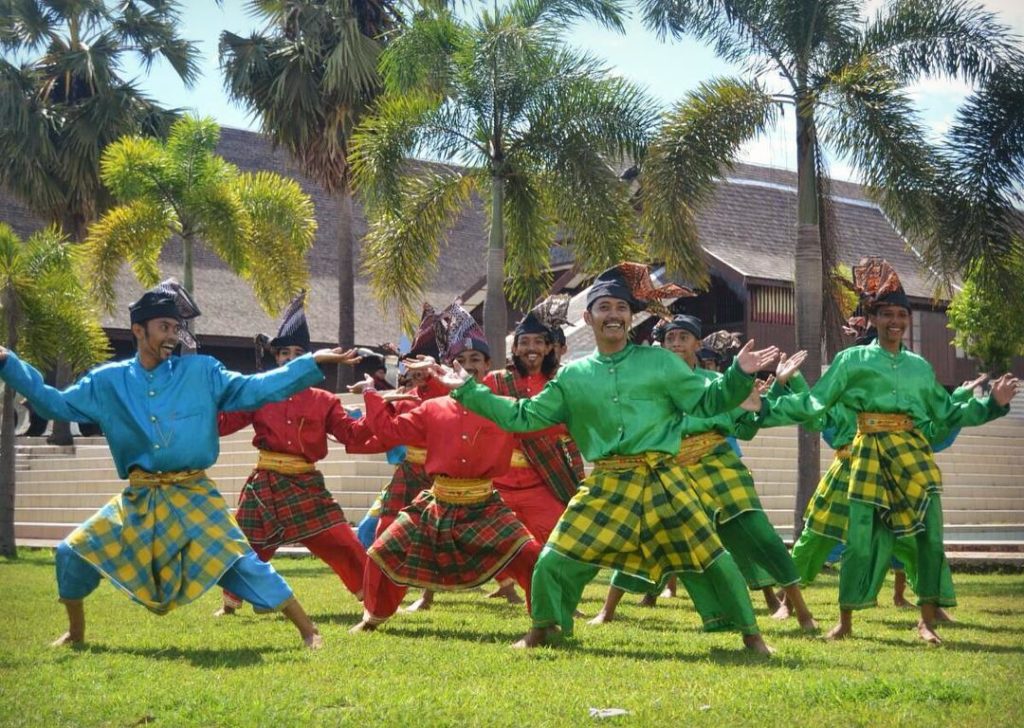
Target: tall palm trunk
(346, 283)
(188, 277)
(60, 434)
(7, 441)
(495, 312)
(808, 292)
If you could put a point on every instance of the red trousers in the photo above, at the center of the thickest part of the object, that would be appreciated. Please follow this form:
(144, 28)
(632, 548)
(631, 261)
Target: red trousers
(337, 547)
(536, 507)
(382, 596)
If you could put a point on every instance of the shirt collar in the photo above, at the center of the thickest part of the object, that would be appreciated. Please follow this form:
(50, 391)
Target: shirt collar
(617, 356)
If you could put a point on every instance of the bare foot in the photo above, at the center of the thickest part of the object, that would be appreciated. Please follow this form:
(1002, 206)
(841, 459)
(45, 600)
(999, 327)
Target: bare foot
(668, 593)
(807, 624)
(840, 631)
(577, 614)
(941, 615)
(67, 639)
(313, 641)
(224, 611)
(423, 604)
(899, 600)
(359, 595)
(928, 634)
(783, 612)
(755, 643)
(536, 637)
(649, 600)
(602, 618)
(508, 592)
(771, 601)
(364, 626)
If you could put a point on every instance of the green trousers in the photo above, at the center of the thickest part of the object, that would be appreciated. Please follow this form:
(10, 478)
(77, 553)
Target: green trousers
(869, 550)
(759, 552)
(558, 584)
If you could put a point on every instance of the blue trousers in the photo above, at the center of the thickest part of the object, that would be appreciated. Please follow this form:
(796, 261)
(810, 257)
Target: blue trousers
(255, 581)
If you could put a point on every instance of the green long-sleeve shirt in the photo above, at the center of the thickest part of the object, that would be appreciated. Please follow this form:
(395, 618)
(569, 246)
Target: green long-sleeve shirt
(625, 403)
(737, 422)
(871, 379)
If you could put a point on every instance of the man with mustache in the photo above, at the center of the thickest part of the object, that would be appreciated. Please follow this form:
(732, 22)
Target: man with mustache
(624, 406)
(459, 534)
(168, 536)
(895, 485)
(285, 499)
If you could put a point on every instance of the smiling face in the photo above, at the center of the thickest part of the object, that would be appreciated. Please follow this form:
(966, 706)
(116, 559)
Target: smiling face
(285, 354)
(156, 340)
(530, 350)
(610, 319)
(474, 362)
(891, 322)
(684, 344)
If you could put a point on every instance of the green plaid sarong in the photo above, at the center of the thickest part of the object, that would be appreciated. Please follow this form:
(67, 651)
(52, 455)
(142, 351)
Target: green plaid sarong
(164, 540)
(828, 511)
(643, 518)
(895, 473)
(724, 484)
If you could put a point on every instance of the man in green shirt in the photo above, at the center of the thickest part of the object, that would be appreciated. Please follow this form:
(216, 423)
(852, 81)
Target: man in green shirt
(624, 406)
(894, 485)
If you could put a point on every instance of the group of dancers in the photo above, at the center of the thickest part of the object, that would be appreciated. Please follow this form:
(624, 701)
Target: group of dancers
(490, 482)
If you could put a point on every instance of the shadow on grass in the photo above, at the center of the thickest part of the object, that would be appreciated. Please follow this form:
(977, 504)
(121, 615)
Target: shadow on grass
(948, 643)
(955, 626)
(197, 657)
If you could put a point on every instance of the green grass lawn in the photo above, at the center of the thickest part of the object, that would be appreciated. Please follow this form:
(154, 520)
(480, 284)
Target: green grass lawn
(453, 666)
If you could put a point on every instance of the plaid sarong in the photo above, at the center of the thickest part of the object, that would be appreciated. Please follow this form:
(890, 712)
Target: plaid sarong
(551, 457)
(409, 480)
(639, 515)
(164, 540)
(724, 484)
(275, 509)
(828, 511)
(895, 472)
(447, 546)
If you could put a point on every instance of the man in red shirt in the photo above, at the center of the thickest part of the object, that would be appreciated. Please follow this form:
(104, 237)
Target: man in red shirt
(459, 534)
(285, 499)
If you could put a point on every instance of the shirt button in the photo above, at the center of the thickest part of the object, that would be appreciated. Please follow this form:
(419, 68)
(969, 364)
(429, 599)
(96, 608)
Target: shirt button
(152, 393)
(620, 429)
(615, 399)
(289, 442)
(155, 446)
(152, 418)
(289, 422)
(465, 437)
(612, 370)
(462, 460)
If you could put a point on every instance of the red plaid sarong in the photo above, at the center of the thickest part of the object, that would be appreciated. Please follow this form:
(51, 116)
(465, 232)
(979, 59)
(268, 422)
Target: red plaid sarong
(444, 546)
(275, 509)
(408, 481)
(551, 457)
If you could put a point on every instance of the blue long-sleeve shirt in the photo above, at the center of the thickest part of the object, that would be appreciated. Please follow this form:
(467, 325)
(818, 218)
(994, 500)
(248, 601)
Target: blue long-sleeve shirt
(163, 419)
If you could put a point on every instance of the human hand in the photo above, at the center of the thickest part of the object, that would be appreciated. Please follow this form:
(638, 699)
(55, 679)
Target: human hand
(753, 401)
(788, 366)
(1004, 389)
(337, 355)
(751, 361)
(452, 377)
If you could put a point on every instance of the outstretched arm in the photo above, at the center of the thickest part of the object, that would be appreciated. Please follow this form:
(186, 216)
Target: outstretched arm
(512, 415)
(77, 403)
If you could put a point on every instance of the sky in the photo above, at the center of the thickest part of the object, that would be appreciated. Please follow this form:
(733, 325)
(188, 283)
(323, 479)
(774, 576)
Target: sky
(667, 69)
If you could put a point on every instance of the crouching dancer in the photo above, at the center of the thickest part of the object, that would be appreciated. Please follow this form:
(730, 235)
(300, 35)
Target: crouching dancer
(168, 536)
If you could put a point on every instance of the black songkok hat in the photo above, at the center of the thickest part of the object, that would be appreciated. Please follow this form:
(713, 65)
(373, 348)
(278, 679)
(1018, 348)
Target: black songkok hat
(558, 336)
(424, 343)
(294, 329)
(681, 321)
(631, 282)
(166, 300)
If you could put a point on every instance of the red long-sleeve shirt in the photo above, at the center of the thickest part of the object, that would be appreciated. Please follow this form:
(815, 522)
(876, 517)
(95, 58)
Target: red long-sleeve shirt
(300, 425)
(459, 443)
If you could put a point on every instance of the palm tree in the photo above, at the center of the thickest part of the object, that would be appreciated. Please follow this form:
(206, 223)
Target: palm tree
(44, 313)
(261, 224)
(528, 125)
(64, 97)
(846, 80)
(309, 77)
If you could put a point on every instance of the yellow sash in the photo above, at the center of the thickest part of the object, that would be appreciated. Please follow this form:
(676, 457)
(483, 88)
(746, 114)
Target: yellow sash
(695, 447)
(872, 422)
(519, 460)
(141, 478)
(843, 453)
(280, 462)
(415, 455)
(461, 491)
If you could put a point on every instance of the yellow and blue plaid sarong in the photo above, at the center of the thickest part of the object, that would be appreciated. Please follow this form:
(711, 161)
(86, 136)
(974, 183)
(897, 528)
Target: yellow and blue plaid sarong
(637, 514)
(724, 484)
(894, 472)
(164, 540)
(828, 511)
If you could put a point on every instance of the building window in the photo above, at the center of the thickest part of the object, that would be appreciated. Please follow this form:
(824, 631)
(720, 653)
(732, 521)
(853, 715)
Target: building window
(772, 305)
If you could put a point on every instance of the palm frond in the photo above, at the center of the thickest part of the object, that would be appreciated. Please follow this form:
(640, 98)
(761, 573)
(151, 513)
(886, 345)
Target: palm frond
(529, 235)
(402, 246)
(698, 138)
(562, 13)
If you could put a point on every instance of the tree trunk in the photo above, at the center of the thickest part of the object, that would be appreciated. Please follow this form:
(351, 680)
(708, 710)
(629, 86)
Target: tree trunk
(808, 291)
(495, 309)
(346, 285)
(7, 441)
(61, 433)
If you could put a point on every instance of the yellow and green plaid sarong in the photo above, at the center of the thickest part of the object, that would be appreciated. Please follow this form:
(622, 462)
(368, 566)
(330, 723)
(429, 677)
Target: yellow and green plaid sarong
(828, 511)
(637, 514)
(164, 540)
(895, 473)
(724, 484)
